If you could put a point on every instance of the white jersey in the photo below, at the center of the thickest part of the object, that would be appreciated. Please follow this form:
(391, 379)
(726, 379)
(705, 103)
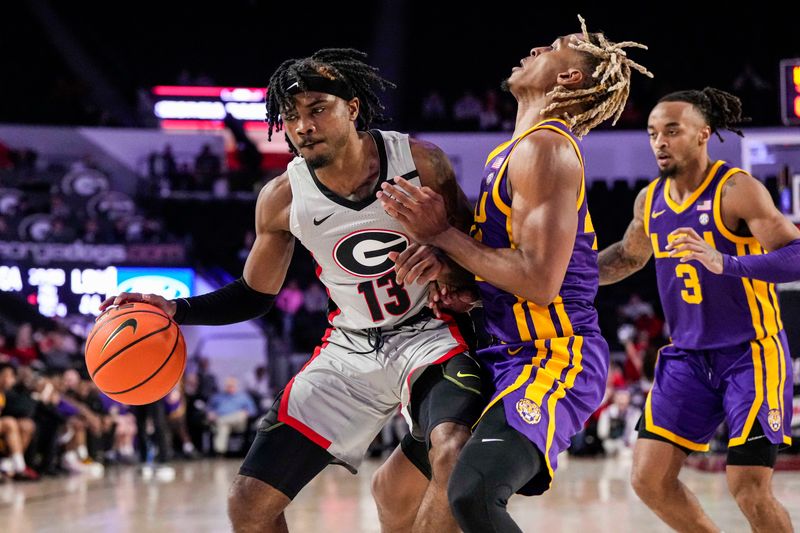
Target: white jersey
(350, 241)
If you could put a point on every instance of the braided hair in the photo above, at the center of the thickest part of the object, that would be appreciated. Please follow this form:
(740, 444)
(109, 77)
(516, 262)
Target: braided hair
(720, 109)
(609, 87)
(345, 65)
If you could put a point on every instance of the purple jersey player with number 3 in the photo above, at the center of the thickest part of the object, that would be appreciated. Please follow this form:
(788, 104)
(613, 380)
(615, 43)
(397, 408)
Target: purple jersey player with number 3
(709, 226)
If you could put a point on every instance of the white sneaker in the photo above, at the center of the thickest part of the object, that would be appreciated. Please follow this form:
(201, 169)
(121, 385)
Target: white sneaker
(147, 472)
(93, 468)
(165, 473)
(72, 464)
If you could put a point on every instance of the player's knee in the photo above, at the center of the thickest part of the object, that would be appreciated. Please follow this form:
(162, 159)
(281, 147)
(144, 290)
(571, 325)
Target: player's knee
(10, 425)
(447, 441)
(252, 504)
(649, 489)
(750, 492)
(473, 501)
(381, 488)
(463, 492)
(27, 425)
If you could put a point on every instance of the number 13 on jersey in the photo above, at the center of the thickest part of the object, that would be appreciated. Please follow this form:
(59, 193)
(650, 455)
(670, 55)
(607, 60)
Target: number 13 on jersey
(399, 303)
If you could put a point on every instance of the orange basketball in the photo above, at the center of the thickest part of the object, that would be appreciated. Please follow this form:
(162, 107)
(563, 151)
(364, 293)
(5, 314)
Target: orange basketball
(135, 353)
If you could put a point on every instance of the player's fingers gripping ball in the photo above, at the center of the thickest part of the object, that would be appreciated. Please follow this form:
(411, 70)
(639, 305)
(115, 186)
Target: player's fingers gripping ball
(135, 353)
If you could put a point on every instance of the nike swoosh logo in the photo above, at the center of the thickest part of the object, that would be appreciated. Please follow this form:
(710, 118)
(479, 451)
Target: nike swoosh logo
(320, 221)
(658, 213)
(514, 352)
(131, 322)
(462, 375)
(491, 440)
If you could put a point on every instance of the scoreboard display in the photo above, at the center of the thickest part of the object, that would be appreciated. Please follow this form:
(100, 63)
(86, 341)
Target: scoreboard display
(790, 91)
(59, 291)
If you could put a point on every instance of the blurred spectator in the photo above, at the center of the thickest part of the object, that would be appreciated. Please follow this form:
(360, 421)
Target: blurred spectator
(25, 351)
(467, 111)
(221, 187)
(80, 421)
(16, 431)
(25, 159)
(289, 301)
(635, 348)
(6, 351)
(6, 234)
(183, 179)
(153, 415)
(162, 165)
(636, 308)
(124, 430)
(94, 233)
(207, 382)
(58, 349)
(257, 385)
(207, 167)
(59, 208)
(175, 403)
(616, 426)
(433, 112)
(508, 115)
(489, 118)
(244, 251)
(6, 160)
(195, 410)
(315, 299)
(61, 232)
(229, 411)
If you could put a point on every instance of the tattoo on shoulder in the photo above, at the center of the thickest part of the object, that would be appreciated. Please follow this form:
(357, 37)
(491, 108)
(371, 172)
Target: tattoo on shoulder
(440, 164)
(728, 184)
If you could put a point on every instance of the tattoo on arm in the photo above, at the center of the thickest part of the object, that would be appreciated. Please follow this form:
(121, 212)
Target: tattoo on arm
(629, 255)
(728, 184)
(615, 265)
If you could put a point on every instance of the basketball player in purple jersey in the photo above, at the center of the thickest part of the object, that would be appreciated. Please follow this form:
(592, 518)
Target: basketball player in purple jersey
(710, 226)
(533, 251)
(384, 349)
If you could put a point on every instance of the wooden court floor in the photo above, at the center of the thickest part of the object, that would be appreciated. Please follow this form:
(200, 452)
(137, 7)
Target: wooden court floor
(588, 496)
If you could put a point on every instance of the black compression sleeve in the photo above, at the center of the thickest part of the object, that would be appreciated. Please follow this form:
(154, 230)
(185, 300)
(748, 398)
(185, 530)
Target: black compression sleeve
(235, 302)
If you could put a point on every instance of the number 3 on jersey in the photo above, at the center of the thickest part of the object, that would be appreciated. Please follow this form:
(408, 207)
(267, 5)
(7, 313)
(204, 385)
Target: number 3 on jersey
(692, 294)
(398, 305)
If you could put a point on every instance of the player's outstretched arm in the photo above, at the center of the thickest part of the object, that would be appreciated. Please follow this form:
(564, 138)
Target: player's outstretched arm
(747, 207)
(545, 178)
(265, 269)
(629, 255)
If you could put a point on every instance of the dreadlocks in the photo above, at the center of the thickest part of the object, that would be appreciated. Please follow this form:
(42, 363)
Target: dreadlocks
(720, 109)
(344, 65)
(607, 96)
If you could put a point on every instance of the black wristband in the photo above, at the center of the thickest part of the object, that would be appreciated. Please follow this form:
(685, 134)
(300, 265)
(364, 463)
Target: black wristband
(235, 302)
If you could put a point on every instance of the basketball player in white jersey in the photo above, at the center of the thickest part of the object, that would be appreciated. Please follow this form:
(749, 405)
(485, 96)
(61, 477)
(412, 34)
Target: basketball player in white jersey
(385, 349)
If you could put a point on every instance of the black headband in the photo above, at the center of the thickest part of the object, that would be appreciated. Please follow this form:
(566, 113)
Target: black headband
(321, 84)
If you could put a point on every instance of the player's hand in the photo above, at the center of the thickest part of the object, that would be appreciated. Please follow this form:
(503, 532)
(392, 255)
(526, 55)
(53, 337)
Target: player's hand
(460, 300)
(419, 263)
(420, 210)
(162, 303)
(689, 246)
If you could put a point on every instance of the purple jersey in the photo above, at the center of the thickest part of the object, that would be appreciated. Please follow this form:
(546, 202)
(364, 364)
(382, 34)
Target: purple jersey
(548, 363)
(704, 310)
(510, 318)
